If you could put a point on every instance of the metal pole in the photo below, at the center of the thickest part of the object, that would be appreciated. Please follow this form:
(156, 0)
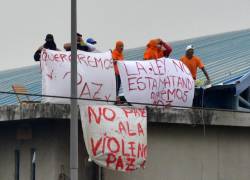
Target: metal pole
(99, 173)
(74, 110)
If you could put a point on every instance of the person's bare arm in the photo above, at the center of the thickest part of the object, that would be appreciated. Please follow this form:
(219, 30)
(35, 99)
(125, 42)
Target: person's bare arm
(67, 46)
(206, 74)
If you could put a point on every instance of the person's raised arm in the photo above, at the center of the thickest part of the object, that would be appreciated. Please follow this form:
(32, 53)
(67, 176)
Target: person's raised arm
(67, 46)
(167, 49)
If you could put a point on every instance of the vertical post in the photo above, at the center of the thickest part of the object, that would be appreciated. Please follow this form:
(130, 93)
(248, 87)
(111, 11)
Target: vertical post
(99, 173)
(248, 94)
(74, 110)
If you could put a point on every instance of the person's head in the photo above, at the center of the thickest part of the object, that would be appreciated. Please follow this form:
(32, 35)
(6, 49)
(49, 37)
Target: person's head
(119, 46)
(189, 51)
(49, 42)
(49, 38)
(91, 41)
(79, 37)
(153, 44)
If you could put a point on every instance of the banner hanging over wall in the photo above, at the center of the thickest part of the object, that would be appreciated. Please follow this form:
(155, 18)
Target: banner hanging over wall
(115, 137)
(95, 77)
(159, 82)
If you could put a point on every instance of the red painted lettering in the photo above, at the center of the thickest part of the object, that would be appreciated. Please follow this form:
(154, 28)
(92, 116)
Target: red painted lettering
(130, 164)
(113, 145)
(95, 145)
(140, 130)
(132, 148)
(109, 114)
(99, 86)
(131, 83)
(91, 112)
(119, 163)
(110, 159)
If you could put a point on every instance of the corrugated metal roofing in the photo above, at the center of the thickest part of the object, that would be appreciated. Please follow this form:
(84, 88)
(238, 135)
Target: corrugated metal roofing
(226, 56)
(30, 77)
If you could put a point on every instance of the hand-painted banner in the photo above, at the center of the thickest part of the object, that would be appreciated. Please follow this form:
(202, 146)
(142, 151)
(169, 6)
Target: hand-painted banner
(115, 137)
(159, 82)
(95, 75)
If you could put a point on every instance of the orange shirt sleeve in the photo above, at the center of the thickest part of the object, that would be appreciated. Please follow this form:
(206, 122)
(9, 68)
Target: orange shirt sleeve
(147, 55)
(182, 59)
(115, 55)
(199, 63)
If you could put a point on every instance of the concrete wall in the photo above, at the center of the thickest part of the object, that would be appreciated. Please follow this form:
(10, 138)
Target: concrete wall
(176, 152)
(50, 138)
(179, 152)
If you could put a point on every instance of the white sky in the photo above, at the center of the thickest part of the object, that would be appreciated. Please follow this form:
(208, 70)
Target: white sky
(24, 24)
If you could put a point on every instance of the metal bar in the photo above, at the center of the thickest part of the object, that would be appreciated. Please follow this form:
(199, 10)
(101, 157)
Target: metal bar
(33, 164)
(245, 102)
(74, 110)
(248, 94)
(99, 173)
(17, 164)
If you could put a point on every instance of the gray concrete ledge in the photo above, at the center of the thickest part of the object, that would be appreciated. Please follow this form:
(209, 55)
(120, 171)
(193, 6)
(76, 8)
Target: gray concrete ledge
(155, 115)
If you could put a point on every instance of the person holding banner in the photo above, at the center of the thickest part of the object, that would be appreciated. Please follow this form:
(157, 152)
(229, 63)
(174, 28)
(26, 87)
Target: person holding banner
(117, 55)
(164, 48)
(49, 44)
(81, 45)
(157, 49)
(152, 51)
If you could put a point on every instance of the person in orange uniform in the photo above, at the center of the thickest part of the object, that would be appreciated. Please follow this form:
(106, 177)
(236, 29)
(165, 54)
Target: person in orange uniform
(157, 49)
(164, 48)
(152, 51)
(117, 55)
(193, 62)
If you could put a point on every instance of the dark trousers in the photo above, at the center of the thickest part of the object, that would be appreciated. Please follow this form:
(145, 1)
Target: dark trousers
(118, 83)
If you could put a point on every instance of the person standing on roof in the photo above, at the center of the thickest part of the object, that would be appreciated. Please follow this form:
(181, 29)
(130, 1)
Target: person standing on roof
(49, 44)
(193, 62)
(157, 49)
(152, 51)
(117, 55)
(81, 45)
(164, 48)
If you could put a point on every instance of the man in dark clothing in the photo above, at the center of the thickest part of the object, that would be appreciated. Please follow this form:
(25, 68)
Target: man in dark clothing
(80, 44)
(49, 44)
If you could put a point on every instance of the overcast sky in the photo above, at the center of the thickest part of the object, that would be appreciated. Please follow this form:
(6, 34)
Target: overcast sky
(24, 24)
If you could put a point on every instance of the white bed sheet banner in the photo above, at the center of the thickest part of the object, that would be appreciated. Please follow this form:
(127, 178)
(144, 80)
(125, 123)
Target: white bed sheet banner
(95, 76)
(115, 137)
(159, 82)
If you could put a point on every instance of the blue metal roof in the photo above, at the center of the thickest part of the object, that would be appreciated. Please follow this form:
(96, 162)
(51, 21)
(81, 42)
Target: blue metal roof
(226, 56)
(30, 77)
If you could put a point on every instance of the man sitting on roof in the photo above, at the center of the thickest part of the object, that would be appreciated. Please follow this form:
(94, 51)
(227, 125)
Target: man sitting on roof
(80, 44)
(194, 62)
